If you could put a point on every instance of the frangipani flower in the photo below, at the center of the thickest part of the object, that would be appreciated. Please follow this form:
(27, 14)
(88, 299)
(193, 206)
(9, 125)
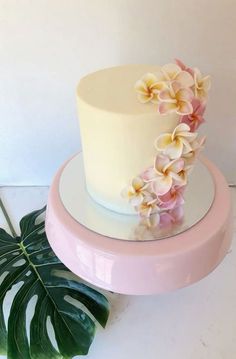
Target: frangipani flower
(175, 98)
(164, 173)
(173, 72)
(184, 67)
(148, 206)
(148, 88)
(191, 156)
(195, 119)
(136, 191)
(201, 84)
(173, 198)
(177, 143)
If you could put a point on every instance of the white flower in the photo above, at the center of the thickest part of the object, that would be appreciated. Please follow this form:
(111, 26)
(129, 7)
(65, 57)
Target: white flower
(136, 191)
(202, 84)
(148, 87)
(173, 72)
(165, 173)
(177, 143)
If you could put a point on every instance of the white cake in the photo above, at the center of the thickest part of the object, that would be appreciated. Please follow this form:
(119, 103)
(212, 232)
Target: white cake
(118, 131)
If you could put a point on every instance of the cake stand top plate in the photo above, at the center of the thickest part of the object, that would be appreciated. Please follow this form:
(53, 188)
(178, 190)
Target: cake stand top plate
(199, 196)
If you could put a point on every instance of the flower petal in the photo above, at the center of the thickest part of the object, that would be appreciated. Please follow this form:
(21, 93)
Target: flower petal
(154, 98)
(175, 149)
(185, 79)
(180, 64)
(176, 165)
(184, 94)
(136, 200)
(149, 174)
(137, 183)
(127, 191)
(162, 185)
(143, 98)
(187, 147)
(180, 179)
(167, 107)
(189, 136)
(184, 108)
(165, 96)
(182, 127)
(176, 86)
(141, 87)
(170, 71)
(158, 86)
(163, 141)
(160, 76)
(206, 83)
(197, 75)
(201, 94)
(160, 162)
(149, 79)
(198, 106)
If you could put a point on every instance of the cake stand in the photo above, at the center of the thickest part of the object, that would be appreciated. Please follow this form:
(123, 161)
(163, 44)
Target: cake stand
(130, 266)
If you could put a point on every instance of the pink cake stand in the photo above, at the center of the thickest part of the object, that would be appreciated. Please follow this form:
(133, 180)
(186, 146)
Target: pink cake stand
(150, 267)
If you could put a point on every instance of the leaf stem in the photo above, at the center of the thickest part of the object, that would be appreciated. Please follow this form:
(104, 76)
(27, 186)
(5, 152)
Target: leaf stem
(4, 211)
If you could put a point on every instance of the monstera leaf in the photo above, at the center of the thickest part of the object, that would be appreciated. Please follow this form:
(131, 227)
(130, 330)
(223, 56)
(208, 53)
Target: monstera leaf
(29, 261)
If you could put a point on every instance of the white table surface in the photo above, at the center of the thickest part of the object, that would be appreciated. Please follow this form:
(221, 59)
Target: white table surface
(198, 322)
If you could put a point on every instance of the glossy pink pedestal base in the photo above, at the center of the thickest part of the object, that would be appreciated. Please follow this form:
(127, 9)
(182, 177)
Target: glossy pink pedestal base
(142, 267)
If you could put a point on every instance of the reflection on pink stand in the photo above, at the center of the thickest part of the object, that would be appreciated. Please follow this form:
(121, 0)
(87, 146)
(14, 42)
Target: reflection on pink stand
(145, 267)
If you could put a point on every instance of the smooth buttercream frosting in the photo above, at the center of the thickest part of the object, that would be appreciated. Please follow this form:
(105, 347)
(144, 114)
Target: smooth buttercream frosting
(138, 136)
(117, 132)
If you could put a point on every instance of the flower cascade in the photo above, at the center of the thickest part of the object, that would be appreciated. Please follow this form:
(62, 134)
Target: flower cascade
(157, 193)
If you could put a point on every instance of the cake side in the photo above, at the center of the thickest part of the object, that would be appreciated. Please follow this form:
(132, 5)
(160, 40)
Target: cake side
(117, 132)
(115, 146)
(139, 139)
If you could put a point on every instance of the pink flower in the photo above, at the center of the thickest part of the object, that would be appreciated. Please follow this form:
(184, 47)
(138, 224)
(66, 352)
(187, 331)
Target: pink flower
(184, 67)
(173, 198)
(195, 119)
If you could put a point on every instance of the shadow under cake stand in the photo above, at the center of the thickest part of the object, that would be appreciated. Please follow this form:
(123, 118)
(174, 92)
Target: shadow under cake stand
(108, 249)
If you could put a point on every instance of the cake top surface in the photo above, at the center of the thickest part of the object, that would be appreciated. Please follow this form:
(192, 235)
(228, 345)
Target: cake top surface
(112, 89)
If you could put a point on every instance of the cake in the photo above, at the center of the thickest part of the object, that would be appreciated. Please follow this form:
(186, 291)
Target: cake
(138, 126)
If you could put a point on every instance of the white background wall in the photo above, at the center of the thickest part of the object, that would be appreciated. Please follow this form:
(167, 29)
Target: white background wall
(47, 45)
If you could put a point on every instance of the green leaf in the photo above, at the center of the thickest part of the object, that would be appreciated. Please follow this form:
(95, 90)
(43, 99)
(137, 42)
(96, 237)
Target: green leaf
(29, 260)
